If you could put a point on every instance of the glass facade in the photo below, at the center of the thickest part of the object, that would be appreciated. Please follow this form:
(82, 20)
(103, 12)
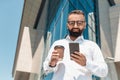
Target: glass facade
(57, 19)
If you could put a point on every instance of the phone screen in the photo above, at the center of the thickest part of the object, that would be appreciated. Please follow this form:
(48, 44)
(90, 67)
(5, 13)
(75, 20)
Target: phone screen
(73, 47)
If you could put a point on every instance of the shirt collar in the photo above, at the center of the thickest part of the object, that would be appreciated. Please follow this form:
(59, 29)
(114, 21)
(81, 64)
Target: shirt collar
(78, 40)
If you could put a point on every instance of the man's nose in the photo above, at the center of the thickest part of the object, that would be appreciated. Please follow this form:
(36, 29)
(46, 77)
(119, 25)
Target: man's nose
(75, 26)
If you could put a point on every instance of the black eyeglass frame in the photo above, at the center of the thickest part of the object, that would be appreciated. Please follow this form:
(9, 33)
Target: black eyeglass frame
(79, 23)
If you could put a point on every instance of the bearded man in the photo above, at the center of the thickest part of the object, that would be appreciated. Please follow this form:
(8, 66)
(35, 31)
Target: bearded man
(81, 64)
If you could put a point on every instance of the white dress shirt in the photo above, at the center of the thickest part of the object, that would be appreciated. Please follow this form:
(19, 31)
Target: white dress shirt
(68, 69)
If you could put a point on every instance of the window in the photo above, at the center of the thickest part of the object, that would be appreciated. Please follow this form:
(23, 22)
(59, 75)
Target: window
(91, 27)
(57, 21)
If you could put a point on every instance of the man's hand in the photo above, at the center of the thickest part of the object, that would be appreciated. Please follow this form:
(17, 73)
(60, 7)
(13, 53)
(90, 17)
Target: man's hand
(54, 58)
(79, 58)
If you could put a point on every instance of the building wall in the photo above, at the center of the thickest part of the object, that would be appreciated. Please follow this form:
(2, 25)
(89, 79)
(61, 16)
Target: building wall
(30, 44)
(109, 27)
(106, 41)
(35, 42)
(39, 45)
(115, 27)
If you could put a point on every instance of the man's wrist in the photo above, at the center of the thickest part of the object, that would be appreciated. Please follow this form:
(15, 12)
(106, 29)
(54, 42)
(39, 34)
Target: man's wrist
(52, 64)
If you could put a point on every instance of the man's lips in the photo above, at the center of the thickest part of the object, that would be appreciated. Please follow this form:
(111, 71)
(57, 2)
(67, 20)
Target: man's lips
(75, 30)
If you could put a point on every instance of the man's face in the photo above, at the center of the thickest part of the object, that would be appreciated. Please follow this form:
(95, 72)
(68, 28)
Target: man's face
(76, 24)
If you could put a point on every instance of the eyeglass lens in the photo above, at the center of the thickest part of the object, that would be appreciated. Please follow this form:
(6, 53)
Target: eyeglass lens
(79, 23)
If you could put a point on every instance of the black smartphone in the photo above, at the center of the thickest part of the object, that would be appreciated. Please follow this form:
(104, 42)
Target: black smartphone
(73, 47)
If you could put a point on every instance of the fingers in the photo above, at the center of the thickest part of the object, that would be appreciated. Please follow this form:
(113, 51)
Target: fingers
(81, 62)
(75, 55)
(55, 55)
(79, 58)
(54, 58)
(78, 55)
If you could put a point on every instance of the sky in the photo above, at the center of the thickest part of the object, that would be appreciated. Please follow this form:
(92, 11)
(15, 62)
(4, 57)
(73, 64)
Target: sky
(10, 19)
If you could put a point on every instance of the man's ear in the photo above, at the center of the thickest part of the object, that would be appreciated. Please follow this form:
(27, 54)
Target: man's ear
(85, 25)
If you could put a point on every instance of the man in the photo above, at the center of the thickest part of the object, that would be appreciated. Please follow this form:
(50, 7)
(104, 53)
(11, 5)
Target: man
(80, 65)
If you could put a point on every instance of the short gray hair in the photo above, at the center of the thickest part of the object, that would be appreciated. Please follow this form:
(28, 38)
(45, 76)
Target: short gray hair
(76, 12)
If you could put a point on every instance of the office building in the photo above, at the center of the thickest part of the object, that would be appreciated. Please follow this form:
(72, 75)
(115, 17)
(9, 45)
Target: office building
(44, 21)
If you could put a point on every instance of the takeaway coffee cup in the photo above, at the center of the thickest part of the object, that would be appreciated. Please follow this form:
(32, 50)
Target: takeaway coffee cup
(60, 50)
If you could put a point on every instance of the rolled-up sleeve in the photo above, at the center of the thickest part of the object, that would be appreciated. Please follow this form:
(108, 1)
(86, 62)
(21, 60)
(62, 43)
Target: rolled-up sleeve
(47, 69)
(97, 66)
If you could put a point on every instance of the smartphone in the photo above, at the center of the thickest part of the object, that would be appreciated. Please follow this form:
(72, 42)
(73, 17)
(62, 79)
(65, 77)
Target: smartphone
(73, 47)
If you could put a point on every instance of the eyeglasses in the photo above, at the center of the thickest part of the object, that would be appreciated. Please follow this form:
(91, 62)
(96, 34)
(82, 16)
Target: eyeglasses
(72, 23)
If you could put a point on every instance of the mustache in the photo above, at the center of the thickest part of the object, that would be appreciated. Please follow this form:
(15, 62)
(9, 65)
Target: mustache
(74, 28)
